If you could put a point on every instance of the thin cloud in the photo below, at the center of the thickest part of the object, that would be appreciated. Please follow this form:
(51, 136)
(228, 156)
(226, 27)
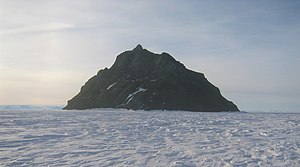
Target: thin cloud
(39, 28)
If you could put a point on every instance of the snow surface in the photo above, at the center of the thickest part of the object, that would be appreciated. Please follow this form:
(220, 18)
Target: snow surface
(148, 138)
(29, 107)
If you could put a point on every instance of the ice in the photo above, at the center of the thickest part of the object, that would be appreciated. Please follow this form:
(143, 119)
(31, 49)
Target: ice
(107, 137)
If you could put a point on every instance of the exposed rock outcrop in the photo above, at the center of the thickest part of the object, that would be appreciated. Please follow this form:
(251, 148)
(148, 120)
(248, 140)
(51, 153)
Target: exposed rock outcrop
(140, 79)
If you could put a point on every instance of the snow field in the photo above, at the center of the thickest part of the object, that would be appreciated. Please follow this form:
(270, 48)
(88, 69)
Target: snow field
(106, 137)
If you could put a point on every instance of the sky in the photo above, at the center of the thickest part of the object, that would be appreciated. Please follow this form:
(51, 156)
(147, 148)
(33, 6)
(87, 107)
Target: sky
(248, 49)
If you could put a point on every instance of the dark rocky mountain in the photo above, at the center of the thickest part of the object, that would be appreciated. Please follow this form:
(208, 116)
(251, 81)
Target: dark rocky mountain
(140, 79)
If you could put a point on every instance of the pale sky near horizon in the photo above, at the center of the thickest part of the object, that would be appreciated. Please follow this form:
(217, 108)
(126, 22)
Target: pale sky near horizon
(249, 49)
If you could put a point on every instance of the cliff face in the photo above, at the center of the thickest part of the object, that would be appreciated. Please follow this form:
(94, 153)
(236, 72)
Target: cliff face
(140, 79)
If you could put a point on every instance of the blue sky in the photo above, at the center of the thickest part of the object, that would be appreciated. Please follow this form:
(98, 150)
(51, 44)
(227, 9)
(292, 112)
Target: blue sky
(249, 49)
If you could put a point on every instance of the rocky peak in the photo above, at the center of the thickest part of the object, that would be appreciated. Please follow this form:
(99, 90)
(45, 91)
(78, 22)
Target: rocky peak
(140, 79)
(138, 47)
(139, 57)
(139, 63)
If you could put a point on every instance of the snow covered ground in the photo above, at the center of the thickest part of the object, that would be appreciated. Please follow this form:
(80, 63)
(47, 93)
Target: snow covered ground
(141, 138)
(29, 107)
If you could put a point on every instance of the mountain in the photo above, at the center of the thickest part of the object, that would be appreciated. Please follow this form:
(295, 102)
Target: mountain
(142, 80)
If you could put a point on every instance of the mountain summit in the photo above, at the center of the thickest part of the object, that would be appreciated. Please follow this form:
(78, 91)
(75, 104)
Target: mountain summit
(140, 79)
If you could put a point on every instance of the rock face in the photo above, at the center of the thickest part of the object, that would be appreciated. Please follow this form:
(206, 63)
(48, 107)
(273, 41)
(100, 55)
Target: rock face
(140, 79)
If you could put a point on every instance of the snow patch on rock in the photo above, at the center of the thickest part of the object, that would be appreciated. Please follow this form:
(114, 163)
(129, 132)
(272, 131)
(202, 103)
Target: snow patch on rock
(131, 96)
(110, 86)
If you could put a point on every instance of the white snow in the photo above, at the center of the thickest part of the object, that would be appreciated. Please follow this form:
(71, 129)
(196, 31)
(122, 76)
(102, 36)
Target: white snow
(106, 137)
(111, 85)
(130, 96)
